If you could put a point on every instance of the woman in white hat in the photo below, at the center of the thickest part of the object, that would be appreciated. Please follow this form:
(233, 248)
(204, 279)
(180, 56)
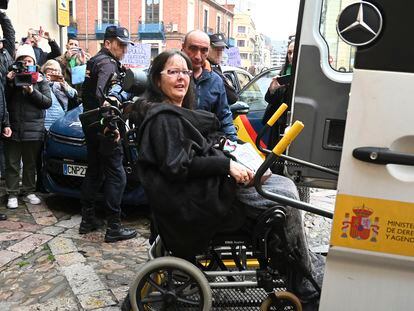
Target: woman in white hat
(28, 95)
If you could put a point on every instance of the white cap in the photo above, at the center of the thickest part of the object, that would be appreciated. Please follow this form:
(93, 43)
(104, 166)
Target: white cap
(25, 50)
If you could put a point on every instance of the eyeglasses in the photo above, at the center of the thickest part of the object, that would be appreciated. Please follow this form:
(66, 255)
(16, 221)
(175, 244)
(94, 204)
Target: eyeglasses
(176, 72)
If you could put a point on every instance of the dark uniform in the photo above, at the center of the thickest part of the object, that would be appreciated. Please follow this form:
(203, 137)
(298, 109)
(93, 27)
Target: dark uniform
(105, 170)
(6, 60)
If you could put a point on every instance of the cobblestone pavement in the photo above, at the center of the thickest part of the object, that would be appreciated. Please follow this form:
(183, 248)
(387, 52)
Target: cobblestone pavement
(46, 265)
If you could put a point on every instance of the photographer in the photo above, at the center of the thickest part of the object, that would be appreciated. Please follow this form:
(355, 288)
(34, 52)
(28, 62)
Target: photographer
(6, 50)
(26, 102)
(105, 153)
(73, 57)
(33, 37)
(61, 93)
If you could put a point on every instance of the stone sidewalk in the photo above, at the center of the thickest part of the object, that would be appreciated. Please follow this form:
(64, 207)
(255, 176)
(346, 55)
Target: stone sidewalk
(46, 265)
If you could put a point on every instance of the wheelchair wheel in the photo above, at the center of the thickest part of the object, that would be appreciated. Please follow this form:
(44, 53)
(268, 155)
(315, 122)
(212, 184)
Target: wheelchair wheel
(170, 283)
(281, 301)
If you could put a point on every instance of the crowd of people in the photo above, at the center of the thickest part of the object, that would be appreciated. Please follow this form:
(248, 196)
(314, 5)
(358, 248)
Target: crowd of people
(36, 89)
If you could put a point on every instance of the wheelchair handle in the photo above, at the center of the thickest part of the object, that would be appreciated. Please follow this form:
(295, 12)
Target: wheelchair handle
(270, 159)
(290, 136)
(278, 113)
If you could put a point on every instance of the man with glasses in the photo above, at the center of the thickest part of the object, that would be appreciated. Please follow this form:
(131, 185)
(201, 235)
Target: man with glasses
(209, 87)
(105, 153)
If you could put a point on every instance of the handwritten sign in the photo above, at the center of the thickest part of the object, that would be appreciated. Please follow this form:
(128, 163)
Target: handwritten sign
(233, 57)
(138, 55)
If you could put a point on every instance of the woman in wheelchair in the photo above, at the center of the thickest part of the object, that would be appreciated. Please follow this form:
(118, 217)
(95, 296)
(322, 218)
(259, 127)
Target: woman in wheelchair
(196, 191)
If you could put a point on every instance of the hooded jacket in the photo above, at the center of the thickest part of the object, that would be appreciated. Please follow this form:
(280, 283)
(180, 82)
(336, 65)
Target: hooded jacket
(27, 111)
(184, 177)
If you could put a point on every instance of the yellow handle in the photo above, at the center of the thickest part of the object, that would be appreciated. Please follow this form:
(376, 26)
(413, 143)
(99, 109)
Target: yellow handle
(282, 108)
(290, 136)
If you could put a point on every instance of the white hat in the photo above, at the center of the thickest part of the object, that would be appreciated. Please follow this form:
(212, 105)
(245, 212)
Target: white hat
(25, 50)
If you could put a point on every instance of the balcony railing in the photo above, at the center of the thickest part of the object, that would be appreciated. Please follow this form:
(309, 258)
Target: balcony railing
(72, 30)
(151, 31)
(101, 24)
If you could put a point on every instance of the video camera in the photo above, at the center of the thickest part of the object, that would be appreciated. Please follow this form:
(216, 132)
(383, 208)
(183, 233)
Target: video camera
(4, 4)
(25, 75)
(133, 81)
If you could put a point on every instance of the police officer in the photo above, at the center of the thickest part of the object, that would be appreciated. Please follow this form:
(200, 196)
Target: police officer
(105, 153)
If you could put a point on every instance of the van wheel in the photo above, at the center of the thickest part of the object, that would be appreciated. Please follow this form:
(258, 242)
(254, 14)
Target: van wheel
(170, 283)
(279, 301)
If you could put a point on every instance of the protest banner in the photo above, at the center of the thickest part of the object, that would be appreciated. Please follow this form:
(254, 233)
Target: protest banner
(137, 56)
(233, 57)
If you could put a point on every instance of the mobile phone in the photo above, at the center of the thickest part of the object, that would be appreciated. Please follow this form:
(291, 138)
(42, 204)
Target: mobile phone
(283, 80)
(56, 78)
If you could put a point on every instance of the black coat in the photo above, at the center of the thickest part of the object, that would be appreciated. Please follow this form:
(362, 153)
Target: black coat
(42, 56)
(27, 111)
(6, 60)
(280, 96)
(231, 93)
(185, 178)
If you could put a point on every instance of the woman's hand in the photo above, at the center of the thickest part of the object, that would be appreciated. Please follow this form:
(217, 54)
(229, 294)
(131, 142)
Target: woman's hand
(240, 173)
(11, 75)
(28, 89)
(274, 85)
(7, 132)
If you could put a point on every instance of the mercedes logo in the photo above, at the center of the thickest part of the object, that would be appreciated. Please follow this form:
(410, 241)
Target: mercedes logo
(359, 23)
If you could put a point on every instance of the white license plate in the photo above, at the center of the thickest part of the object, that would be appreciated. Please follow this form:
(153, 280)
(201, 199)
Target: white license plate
(74, 170)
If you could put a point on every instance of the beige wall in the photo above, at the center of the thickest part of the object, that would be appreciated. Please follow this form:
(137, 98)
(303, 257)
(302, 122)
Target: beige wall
(25, 14)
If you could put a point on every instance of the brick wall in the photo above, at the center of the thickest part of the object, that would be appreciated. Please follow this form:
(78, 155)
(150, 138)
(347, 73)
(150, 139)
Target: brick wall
(174, 12)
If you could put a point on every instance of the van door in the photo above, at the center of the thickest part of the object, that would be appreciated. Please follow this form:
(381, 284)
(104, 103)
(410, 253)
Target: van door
(321, 91)
(370, 265)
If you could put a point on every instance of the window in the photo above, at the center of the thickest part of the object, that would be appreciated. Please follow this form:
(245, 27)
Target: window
(72, 11)
(244, 55)
(241, 29)
(108, 11)
(243, 79)
(228, 30)
(205, 22)
(241, 43)
(218, 24)
(154, 51)
(341, 55)
(152, 11)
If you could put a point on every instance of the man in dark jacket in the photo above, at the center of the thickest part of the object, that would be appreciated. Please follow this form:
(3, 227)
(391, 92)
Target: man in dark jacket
(6, 59)
(105, 153)
(215, 56)
(210, 91)
(42, 56)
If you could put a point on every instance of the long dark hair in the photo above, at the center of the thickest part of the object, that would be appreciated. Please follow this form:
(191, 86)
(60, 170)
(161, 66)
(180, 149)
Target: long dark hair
(286, 65)
(154, 93)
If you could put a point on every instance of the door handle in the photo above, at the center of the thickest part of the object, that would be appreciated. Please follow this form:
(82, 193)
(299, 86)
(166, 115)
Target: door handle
(382, 156)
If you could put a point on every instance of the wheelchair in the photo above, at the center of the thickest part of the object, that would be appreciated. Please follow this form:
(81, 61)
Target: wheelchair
(240, 270)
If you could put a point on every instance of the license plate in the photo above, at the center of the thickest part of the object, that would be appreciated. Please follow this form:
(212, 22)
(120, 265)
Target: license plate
(74, 170)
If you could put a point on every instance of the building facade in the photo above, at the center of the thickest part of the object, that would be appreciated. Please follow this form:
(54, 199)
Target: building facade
(161, 23)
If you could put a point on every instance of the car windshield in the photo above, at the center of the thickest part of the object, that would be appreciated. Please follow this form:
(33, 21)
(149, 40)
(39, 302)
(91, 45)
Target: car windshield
(254, 94)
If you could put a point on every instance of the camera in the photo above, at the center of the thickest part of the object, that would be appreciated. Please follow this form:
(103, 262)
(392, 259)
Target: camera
(25, 75)
(56, 78)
